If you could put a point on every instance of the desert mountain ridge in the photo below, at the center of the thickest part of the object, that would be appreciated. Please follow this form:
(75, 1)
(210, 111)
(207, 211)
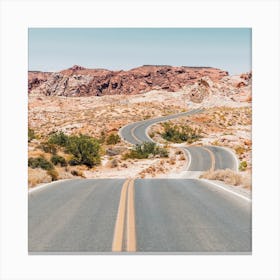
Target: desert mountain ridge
(80, 81)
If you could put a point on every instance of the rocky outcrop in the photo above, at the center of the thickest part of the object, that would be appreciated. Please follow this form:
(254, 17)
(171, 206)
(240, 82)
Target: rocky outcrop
(233, 88)
(79, 81)
(36, 78)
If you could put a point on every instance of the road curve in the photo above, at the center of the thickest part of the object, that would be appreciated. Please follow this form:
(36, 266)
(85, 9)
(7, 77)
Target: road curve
(145, 215)
(203, 158)
(200, 158)
(135, 133)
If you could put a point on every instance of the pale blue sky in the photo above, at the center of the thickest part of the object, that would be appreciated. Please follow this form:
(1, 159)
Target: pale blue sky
(55, 49)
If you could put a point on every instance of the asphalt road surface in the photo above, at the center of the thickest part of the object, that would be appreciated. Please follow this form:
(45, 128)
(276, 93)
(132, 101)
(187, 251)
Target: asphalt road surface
(135, 133)
(142, 215)
(203, 158)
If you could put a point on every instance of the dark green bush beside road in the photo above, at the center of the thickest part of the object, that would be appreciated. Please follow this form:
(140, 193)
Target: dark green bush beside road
(40, 162)
(179, 134)
(84, 149)
(55, 159)
(145, 150)
(59, 139)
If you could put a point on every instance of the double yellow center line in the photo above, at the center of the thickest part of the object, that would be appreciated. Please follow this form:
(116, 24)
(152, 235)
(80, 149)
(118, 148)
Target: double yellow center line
(126, 212)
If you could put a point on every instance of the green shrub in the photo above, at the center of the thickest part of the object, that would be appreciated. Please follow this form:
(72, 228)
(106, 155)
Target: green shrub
(85, 150)
(31, 134)
(40, 162)
(113, 139)
(55, 159)
(242, 166)
(145, 150)
(179, 134)
(59, 138)
(48, 148)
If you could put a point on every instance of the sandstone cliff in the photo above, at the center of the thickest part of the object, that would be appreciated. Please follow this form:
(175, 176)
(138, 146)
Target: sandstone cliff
(79, 81)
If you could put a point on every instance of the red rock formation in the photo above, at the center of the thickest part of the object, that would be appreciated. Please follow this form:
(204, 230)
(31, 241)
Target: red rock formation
(79, 81)
(36, 78)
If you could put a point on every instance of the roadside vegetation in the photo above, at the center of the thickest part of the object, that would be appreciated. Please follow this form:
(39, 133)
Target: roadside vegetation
(31, 134)
(179, 134)
(60, 150)
(41, 162)
(146, 150)
(84, 150)
(229, 177)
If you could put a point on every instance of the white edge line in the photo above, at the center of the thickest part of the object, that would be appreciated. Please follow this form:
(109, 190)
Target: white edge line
(43, 186)
(227, 190)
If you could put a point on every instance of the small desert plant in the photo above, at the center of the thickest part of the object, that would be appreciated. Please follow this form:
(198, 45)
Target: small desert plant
(114, 163)
(239, 150)
(102, 137)
(228, 176)
(31, 134)
(53, 173)
(179, 134)
(146, 149)
(242, 165)
(40, 162)
(55, 159)
(178, 152)
(59, 138)
(152, 134)
(77, 173)
(113, 139)
(48, 148)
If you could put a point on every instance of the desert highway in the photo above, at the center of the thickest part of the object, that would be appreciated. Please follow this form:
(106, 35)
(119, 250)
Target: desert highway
(201, 158)
(142, 215)
(135, 133)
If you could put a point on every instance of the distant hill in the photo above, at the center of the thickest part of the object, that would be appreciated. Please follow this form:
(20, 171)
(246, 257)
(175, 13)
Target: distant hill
(80, 81)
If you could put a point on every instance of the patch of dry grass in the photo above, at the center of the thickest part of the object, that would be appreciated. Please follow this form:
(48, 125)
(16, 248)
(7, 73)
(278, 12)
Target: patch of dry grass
(229, 177)
(37, 176)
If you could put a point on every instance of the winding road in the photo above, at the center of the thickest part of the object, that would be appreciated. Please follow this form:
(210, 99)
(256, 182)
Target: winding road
(142, 215)
(136, 133)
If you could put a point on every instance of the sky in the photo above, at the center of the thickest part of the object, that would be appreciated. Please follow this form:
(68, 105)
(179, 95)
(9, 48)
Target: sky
(55, 49)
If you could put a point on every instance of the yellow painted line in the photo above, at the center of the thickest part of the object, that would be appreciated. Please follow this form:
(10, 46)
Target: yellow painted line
(133, 134)
(212, 158)
(119, 225)
(130, 223)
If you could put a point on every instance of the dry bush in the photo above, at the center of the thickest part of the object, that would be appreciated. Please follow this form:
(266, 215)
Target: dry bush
(228, 176)
(172, 160)
(182, 157)
(79, 173)
(37, 176)
(178, 152)
(114, 163)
